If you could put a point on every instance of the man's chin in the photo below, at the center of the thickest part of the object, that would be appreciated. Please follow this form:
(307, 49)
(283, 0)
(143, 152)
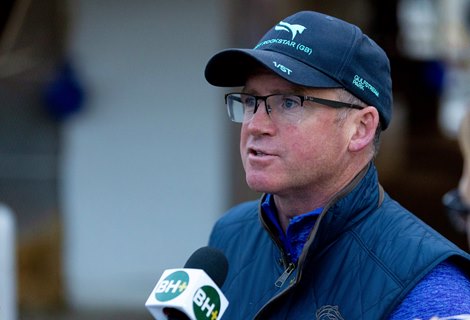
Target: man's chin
(261, 185)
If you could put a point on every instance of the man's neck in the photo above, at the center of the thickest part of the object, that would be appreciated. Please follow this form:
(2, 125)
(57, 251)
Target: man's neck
(297, 202)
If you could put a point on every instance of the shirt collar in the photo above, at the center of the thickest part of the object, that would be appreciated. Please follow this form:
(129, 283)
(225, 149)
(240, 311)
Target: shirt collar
(297, 231)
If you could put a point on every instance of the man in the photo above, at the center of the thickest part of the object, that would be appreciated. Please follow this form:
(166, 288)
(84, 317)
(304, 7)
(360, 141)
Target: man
(457, 201)
(324, 241)
(464, 185)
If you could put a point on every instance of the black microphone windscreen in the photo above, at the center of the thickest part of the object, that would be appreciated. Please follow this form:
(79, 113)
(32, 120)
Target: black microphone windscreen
(212, 261)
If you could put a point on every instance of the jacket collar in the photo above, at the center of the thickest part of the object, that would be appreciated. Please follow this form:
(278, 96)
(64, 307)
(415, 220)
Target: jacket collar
(350, 205)
(353, 203)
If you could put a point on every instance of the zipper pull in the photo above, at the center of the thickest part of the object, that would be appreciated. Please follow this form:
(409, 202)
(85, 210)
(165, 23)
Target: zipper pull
(280, 282)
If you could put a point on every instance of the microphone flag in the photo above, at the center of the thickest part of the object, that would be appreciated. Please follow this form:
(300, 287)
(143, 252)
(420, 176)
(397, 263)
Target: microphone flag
(190, 291)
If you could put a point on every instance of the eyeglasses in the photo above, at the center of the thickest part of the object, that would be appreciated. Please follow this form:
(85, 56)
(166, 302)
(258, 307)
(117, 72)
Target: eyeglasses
(457, 211)
(280, 107)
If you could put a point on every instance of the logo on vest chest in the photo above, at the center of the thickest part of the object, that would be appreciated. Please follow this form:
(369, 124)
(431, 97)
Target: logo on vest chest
(329, 313)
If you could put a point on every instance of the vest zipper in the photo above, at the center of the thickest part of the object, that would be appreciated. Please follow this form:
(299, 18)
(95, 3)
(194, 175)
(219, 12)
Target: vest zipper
(291, 267)
(285, 275)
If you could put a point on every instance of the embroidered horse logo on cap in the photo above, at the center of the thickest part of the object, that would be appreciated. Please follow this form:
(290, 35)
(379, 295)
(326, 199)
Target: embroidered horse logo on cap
(292, 28)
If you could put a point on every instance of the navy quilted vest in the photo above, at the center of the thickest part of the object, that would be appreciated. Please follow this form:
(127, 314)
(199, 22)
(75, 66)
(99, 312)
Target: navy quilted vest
(364, 255)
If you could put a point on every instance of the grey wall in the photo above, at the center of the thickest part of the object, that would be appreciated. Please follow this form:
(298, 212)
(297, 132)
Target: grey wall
(143, 164)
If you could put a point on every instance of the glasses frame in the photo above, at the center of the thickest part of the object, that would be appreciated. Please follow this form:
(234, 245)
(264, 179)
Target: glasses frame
(326, 102)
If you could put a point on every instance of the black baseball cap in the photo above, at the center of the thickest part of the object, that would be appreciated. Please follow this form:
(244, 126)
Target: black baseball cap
(312, 49)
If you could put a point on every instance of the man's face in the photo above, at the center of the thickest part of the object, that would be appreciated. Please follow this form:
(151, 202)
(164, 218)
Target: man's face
(293, 158)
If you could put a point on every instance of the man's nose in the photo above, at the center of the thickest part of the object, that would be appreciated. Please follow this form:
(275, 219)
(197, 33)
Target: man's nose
(261, 122)
(266, 108)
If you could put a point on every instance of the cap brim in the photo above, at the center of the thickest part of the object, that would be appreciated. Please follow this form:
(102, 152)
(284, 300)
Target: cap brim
(231, 67)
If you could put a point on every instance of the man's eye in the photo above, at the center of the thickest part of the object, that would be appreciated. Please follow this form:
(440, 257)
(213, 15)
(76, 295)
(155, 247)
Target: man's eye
(289, 103)
(249, 101)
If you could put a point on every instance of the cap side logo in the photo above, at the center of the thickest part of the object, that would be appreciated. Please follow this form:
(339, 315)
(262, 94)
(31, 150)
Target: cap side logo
(292, 28)
(363, 84)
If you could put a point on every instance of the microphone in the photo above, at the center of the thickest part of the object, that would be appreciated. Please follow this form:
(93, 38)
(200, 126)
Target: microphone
(192, 292)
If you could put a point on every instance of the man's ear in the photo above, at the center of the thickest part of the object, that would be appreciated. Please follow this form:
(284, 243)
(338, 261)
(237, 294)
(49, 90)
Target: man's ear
(365, 124)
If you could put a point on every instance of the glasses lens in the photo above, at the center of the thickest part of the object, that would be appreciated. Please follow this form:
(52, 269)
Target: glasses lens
(281, 108)
(240, 106)
(285, 108)
(234, 107)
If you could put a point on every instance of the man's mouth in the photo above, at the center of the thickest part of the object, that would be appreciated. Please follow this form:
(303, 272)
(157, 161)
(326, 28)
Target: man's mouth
(258, 153)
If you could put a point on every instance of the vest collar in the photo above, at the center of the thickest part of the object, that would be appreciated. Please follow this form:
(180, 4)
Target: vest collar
(350, 205)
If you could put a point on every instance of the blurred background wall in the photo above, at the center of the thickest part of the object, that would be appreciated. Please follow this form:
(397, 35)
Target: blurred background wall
(142, 164)
(113, 145)
(116, 156)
